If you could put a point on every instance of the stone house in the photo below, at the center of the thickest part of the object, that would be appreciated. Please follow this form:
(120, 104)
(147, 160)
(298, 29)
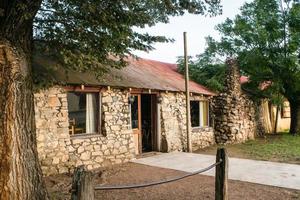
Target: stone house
(111, 120)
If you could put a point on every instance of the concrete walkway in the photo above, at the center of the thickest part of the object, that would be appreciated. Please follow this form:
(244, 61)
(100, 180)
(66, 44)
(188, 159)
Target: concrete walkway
(262, 172)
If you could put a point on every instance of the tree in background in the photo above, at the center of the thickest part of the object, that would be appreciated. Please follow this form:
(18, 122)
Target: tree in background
(206, 71)
(82, 35)
(265, 39)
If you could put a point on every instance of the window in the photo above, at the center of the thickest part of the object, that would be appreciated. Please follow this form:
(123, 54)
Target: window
(195, 113)
(286, 110)
(199, 113)
(83, 109)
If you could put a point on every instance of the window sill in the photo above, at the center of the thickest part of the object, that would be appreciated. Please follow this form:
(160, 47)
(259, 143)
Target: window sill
(194, 129)
(86, 135)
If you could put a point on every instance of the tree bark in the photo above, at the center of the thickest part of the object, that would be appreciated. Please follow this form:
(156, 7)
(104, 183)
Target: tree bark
(276, 119)
(20, 172)
(295, 116)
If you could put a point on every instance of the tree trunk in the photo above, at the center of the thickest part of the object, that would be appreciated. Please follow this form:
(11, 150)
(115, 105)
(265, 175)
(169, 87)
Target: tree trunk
(20, 172)
(276, 119)
(295, 117)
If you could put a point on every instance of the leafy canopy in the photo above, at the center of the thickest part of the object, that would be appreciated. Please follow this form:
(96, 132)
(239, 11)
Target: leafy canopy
(205, 71)
(90, 34)
(265, 39)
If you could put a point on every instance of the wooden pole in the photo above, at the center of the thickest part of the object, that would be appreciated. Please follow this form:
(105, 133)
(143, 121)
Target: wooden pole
(221, 177)
(187, 96)
(82, 185)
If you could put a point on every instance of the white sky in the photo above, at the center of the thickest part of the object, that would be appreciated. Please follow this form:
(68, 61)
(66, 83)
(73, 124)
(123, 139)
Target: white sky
(197, 28)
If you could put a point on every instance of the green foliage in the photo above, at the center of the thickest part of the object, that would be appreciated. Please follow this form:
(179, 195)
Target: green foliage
(91, 35)
(204, 71)
(265, 39)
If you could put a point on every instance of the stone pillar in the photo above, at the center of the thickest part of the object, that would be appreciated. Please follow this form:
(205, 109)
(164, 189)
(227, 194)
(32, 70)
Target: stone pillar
(233, 110)
(232, 81)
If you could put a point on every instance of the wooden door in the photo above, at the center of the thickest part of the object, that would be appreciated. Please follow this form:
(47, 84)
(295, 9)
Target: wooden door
(136, 123)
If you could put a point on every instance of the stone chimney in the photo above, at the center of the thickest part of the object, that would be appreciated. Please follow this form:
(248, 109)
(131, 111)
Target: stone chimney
(233, 111)
(232, 81)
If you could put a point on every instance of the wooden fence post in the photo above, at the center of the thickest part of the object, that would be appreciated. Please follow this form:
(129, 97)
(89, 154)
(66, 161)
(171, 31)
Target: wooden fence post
(221, 177)
(82, 185)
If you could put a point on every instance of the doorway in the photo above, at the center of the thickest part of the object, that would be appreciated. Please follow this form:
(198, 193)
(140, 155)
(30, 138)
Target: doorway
(144, 122)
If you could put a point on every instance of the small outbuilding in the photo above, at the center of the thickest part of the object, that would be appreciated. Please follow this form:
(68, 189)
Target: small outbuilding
(112, 119)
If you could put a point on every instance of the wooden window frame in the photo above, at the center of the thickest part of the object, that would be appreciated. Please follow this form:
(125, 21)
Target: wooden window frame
(201, 115)
(97, 90)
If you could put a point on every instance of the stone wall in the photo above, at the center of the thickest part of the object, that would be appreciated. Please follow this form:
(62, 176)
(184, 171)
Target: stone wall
(59, 152)
(173, 122)
(233, 111)
(51, 116)
(202, 137)
(114, 145)
(99, 151)
(173, 125)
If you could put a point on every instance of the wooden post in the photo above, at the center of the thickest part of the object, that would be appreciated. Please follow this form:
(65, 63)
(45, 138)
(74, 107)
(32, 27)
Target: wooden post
(187, 96)
(82, 185)
(221, 177)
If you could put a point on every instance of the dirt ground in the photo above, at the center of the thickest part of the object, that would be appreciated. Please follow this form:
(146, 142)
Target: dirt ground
(196, 187)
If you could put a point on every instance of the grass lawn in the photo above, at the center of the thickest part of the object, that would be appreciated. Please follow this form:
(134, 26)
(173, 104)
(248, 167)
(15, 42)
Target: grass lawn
(281, 147)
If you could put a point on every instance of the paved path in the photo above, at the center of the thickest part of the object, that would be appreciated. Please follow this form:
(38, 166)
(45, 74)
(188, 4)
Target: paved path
(262, 172)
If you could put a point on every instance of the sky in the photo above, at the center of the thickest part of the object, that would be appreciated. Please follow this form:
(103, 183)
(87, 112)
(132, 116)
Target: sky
(197, 27)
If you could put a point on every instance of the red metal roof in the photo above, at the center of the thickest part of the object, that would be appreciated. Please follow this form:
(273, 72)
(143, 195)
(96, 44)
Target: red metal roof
(161, 75)
(244, 79)
(264, 85)
(140, 73)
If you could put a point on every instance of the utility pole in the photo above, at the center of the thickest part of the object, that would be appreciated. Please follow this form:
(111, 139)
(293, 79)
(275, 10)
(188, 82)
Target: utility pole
(187, 96)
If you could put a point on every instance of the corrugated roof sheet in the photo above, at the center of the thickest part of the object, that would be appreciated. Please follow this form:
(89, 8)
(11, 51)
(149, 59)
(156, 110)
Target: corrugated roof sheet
(264, 85)
(141, 73)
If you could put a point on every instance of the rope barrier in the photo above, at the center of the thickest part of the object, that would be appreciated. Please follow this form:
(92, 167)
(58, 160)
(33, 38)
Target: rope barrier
(157, 182)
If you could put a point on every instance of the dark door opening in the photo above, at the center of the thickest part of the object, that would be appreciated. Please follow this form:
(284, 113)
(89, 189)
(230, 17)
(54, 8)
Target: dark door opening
(148, 115)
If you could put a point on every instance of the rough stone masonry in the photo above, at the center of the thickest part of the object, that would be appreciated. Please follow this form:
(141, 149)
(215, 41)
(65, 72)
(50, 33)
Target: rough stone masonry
(233, 116)
(59, 152)
(233, 110)
(173, 124)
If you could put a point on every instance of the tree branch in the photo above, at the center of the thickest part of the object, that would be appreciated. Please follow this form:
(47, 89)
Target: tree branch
(46, 10)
